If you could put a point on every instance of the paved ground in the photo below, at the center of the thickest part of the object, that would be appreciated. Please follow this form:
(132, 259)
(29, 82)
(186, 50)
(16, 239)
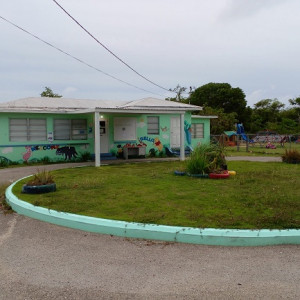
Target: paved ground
(43, 261)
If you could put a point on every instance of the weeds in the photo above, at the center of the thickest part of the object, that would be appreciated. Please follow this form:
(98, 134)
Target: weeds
(41, 178)
(291, 156)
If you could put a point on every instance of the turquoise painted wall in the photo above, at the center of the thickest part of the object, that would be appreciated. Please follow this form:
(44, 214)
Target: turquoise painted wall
(37, 150)
(206, 135)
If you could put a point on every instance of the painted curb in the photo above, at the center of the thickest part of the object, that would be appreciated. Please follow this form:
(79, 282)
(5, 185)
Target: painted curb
(207, 236)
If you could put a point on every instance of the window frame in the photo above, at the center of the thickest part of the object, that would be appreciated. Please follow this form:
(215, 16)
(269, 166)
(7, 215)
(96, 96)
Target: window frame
(70, 132)
(156, 130)
(195, 131)
(32, 129)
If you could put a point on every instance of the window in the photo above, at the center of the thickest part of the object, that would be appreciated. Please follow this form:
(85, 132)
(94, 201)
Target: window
(21, 130)
(124, 129)
(197, 131)
(153, 125)
(66, 129)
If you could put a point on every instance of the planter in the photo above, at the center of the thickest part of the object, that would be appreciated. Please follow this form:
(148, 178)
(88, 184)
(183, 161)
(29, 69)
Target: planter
(198, 175)
(179, 173)
(223, 175)
(39, 189)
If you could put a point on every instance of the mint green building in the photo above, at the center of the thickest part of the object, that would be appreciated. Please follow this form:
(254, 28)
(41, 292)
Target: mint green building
(62, 129)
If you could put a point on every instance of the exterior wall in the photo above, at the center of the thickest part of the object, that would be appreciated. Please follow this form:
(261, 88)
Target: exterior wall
(206, 135)
(61, 150)
(154, 143)
(30, 151)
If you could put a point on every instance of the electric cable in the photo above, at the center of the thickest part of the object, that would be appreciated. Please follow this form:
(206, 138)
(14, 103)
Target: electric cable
(77, 59)
(107, 49)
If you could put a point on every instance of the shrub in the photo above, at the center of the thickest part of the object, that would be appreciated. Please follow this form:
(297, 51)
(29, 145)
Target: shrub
(45, 160)
(205, 159)
(291, 156)
(85, 156)
(41, 178)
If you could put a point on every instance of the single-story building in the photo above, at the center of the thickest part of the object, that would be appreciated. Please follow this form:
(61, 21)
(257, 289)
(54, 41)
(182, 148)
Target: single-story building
(60, 129)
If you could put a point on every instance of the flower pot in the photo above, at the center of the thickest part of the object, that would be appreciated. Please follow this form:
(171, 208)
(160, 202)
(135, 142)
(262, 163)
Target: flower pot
(222, 175)
(179, 173)
(39, 189)
(198, 175)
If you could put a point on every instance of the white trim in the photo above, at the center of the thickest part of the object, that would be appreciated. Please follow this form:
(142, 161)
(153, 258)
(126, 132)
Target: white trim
(97, 140)
(203, 117)
(182, 152)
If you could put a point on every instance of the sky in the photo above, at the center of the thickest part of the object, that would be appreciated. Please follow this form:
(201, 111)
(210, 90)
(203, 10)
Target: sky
(250, 44)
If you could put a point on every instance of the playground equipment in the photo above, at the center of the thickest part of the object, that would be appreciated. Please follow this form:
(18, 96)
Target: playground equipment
(241, 131)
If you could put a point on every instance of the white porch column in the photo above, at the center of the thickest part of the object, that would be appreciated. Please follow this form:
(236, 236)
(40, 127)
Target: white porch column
(97, 140)
(182, 151)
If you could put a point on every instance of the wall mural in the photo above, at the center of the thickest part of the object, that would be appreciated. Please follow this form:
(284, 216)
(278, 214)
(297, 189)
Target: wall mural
(188, 132)
(155, 141)
(66, 151)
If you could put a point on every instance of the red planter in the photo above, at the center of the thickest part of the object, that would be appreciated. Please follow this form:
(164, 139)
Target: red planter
(222, 175)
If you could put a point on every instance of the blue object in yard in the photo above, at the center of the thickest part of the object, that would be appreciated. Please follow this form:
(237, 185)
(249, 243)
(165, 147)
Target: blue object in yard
(171, 152)
(241, 131)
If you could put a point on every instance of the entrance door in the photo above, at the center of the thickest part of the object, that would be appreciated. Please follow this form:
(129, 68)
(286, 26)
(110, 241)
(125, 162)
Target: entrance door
(175, 132)
(103, 136)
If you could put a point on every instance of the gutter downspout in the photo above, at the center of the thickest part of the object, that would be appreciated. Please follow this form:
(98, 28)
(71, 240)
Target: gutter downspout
(182, 152)
(97, 139)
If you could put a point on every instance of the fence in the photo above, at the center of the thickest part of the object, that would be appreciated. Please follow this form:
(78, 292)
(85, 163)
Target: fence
(258, 143)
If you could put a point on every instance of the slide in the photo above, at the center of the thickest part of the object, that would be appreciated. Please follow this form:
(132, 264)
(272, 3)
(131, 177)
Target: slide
(240, 130)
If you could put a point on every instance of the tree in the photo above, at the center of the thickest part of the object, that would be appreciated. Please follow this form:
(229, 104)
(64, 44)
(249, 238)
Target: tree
(221, 95)
(225, 121)
(267, 114)
(49, 93)
(179, 90)
(296, 108)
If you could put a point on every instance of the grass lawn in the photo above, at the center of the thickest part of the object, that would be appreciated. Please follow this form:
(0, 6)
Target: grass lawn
(262, 195)
(256, 150)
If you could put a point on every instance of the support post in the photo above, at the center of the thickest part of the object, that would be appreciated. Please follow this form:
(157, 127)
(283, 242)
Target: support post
(182, 151)
(97, 140)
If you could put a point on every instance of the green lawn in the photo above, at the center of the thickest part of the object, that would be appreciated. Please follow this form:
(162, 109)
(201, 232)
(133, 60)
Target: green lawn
(257, 150)
(262, 195)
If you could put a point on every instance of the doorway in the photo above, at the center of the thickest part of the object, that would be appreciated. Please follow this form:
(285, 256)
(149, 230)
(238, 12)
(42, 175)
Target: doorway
(175, 132)
(103, 136)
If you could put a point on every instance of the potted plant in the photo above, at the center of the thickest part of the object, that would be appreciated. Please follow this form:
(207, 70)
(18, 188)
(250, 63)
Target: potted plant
(42, 182)
(206, 159)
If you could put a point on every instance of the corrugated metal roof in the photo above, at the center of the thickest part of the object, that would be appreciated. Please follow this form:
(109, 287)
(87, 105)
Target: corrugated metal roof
(66, 105)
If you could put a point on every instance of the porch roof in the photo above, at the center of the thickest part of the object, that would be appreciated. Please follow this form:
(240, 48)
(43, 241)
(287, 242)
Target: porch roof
(71, 106)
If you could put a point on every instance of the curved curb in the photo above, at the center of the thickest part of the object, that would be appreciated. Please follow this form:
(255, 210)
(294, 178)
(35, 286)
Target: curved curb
(207, 236)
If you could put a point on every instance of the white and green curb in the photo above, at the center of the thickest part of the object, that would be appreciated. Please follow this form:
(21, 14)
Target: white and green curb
(207, 236)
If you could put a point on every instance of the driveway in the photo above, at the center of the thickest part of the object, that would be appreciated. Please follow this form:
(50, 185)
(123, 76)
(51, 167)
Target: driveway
(44, 261)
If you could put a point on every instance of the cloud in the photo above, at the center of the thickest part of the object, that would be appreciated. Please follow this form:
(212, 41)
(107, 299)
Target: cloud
(237, 9)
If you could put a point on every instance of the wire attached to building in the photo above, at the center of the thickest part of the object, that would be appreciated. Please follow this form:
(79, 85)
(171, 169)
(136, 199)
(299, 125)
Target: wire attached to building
(77, 59)
(107, 49)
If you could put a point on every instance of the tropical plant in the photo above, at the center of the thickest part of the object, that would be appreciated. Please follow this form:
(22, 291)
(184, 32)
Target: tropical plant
(206, 158)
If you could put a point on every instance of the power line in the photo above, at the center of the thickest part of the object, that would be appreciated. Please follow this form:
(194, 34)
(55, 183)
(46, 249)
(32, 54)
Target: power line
(107, 49)
(77, 59)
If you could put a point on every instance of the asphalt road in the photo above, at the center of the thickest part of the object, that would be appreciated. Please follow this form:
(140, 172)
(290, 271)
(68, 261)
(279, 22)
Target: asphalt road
(44, 261)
